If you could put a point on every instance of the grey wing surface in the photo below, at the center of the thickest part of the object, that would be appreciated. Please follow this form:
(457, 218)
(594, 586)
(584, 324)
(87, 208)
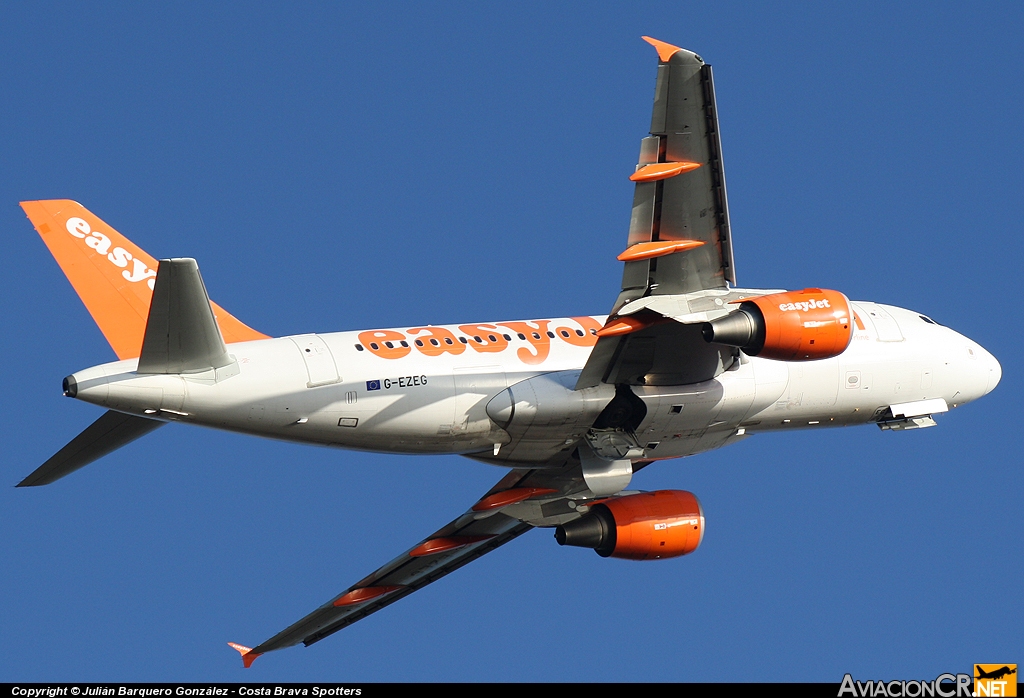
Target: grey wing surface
(537, 495)
(691, 205)
(678, 261)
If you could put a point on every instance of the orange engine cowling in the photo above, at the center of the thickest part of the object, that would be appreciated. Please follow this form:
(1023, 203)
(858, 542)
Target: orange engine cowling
(645, 526)
(792, 326)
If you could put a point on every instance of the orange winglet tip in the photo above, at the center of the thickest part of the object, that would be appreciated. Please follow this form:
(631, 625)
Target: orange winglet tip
(442, 545)
(621, 326)
(649, 250)
(506, 497)
(662, 170)
(665, 51)
(248, 656)
(364, 594)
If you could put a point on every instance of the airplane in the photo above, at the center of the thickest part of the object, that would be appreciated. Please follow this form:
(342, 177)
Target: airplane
(995, 673)
(684, 362)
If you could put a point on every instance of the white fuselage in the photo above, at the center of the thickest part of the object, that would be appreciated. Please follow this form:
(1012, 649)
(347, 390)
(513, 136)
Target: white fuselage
(408, 397)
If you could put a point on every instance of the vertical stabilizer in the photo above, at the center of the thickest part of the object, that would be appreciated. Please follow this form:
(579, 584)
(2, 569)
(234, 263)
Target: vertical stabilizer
(112, 276)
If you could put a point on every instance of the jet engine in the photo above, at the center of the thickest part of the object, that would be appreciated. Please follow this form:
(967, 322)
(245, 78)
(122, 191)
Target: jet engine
(645, 526)
(792, 326)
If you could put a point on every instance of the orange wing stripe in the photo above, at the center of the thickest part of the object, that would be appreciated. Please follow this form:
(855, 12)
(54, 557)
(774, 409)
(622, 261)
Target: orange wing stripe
(622, 325)
(443, 545)
(506, 497)
(662, 170)
(649, 250)
(364, 594)
(113, 276)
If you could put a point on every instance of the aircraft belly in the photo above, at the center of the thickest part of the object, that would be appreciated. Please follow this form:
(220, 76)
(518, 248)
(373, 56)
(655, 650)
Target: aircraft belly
(543, 415)
(268, 393)
(403, 418)
(863, 381)
(684, 420)
(416, 405)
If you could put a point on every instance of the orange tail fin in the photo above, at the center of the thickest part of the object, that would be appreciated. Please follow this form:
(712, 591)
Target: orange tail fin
(112, 276)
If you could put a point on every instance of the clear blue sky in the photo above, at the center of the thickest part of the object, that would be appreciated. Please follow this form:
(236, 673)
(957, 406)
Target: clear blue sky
(335, 167)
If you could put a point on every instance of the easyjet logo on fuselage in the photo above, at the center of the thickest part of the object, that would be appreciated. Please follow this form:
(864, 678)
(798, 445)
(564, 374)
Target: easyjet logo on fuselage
(805, 305)
(484, 339)
(118, 256)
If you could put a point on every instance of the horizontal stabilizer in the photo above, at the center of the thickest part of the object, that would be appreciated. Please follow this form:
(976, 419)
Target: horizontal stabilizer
(181, 334)
(107, 434)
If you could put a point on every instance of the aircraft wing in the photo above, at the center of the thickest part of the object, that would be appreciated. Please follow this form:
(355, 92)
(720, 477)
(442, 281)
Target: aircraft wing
(679, 241)
(541, 496)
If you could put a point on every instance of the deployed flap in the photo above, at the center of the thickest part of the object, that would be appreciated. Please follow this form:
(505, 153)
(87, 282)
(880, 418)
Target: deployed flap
(107, 434)
(181, 335)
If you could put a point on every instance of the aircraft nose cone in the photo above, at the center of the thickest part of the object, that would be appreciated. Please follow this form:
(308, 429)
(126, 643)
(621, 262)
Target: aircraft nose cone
(993, 370)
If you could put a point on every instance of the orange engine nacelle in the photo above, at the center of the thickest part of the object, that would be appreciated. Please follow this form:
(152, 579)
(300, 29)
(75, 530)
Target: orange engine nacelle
(792, 326)
(645, 526)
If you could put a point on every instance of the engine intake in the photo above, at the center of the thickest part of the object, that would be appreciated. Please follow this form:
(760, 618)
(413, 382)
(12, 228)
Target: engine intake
(793, 326)
(645, 526)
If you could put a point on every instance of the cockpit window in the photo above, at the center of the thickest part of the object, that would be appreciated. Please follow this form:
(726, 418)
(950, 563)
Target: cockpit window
(928, 320)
